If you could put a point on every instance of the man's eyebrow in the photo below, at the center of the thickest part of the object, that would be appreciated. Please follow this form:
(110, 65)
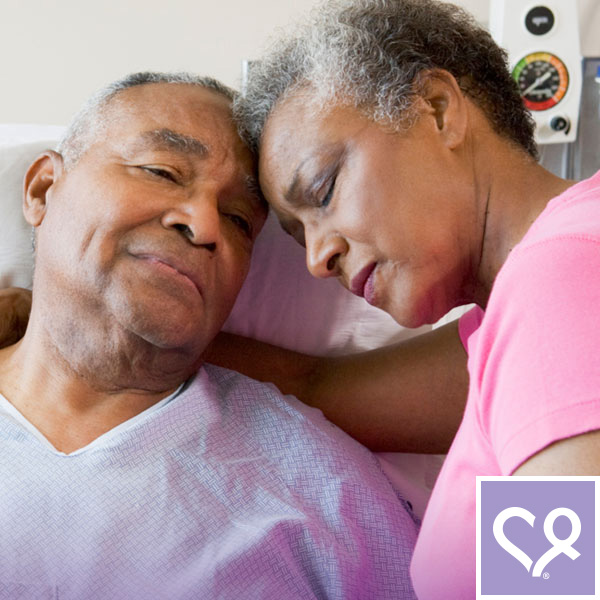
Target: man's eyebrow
(167, 139)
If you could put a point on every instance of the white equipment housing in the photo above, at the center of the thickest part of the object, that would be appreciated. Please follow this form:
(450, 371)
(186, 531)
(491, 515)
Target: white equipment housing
(542, 41)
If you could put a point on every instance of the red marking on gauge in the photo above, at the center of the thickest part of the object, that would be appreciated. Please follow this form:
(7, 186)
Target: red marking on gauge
(542, 79)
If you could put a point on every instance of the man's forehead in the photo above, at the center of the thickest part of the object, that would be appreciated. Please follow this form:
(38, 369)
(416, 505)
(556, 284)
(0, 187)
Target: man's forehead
(145, 117)
(171, 116)
(166, 98)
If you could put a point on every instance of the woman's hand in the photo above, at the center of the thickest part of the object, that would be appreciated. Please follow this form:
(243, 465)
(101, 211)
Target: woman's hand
(15, 306)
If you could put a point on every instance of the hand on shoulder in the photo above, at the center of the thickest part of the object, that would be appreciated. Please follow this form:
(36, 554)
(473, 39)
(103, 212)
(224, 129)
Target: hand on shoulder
(15, 305)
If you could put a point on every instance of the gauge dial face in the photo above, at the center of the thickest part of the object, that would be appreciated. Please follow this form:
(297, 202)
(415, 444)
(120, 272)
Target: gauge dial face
(543, 80)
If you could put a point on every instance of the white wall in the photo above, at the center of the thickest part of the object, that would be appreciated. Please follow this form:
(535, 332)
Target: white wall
(55, 53)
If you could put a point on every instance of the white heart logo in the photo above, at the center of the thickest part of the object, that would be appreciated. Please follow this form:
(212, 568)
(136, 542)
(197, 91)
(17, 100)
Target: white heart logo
(558, 546)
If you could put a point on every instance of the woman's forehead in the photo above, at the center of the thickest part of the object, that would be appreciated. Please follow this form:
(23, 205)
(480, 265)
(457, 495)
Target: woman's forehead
(293, 138)
(297, 133)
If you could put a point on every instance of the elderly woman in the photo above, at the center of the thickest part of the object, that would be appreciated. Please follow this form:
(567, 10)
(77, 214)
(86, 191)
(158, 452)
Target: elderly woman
(395, 147)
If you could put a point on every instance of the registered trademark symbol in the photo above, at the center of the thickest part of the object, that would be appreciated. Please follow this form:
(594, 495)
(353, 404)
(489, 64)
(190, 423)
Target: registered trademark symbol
(546, 575)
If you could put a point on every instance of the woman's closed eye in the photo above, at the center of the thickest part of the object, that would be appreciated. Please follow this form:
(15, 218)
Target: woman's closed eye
(329, 194)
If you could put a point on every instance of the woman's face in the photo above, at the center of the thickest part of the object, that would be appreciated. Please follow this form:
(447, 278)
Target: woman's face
(392, 215)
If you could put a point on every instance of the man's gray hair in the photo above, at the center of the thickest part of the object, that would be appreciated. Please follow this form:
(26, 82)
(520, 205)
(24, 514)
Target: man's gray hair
(371, 54)
(89, 121)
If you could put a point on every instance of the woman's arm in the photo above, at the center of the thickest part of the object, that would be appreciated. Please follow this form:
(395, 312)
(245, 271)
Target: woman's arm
(578, 455)
(408, 397)
(15, 305)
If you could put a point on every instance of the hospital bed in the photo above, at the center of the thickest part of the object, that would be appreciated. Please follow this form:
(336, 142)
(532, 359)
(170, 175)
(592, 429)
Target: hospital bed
(280, 302)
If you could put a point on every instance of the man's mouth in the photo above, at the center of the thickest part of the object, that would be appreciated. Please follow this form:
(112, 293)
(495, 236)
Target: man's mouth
(172, 267)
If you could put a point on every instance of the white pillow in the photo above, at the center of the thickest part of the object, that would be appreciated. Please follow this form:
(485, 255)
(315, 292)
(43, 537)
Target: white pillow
(16, 258)
(13, 134)
(280, 302)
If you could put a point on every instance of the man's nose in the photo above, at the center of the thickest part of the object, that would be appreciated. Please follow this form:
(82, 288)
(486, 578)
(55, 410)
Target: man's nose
(323, 253)
(198, 219)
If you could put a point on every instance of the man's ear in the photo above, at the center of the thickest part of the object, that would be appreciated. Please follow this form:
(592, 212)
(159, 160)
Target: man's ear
(41, 175)
(445, 102)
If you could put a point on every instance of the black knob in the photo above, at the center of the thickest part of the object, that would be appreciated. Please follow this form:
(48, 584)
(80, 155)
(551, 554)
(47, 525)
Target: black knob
(539, 20)
(560, 124)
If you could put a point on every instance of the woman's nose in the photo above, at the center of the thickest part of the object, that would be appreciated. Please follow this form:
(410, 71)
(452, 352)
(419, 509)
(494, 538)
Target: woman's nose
(198, 219)
(323, 253)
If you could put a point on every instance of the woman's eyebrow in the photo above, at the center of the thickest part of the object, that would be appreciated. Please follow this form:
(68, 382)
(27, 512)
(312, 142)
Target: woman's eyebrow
(167, 139)
(335, 157)
(291, 193)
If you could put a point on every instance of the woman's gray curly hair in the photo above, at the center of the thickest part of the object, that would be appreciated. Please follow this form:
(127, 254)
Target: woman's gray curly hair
(370, 53)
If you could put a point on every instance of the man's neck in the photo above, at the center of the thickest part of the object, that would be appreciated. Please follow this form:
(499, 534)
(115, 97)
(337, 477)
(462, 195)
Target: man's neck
(70, 408)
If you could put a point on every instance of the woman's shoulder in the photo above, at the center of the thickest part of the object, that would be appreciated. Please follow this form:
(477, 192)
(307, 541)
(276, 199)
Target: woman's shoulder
(574, 214)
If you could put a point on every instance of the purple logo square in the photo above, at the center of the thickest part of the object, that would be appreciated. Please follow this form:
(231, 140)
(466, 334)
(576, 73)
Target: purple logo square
(537, 537)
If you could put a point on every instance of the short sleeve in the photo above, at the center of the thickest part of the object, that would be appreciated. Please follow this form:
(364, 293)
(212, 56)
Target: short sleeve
(468, 324)
(538, 364)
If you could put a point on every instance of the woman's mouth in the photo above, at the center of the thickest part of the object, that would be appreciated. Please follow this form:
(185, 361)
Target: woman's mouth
(363, 284)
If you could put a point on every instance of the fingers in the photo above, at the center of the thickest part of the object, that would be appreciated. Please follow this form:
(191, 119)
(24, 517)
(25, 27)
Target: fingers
(15, 306)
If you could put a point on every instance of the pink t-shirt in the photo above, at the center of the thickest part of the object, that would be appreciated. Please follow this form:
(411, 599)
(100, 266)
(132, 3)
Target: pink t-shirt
(534, 368)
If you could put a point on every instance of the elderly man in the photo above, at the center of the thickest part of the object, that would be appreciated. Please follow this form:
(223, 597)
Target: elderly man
(129, 469)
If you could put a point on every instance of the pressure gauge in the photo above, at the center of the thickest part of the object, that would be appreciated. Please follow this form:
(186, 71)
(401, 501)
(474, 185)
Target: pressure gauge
(543, 80)
(541, 38)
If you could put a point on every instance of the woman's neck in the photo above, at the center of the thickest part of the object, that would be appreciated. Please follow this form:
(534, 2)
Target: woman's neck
(516, 191)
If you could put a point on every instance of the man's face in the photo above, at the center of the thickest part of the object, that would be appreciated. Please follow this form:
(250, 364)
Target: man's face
(152, 229)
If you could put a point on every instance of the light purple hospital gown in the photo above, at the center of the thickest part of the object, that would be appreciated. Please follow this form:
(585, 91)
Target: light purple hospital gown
(230, 490)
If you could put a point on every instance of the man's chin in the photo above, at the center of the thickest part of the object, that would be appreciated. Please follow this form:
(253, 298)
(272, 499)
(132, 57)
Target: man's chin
(165, 323)
(169, 334)
(170, 328)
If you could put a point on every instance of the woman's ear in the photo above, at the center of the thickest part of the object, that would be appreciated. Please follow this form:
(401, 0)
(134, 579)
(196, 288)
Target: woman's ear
(41, 175)
(446, 102)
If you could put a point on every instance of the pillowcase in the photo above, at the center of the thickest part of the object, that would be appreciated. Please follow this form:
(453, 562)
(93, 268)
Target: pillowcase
(16, 254)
